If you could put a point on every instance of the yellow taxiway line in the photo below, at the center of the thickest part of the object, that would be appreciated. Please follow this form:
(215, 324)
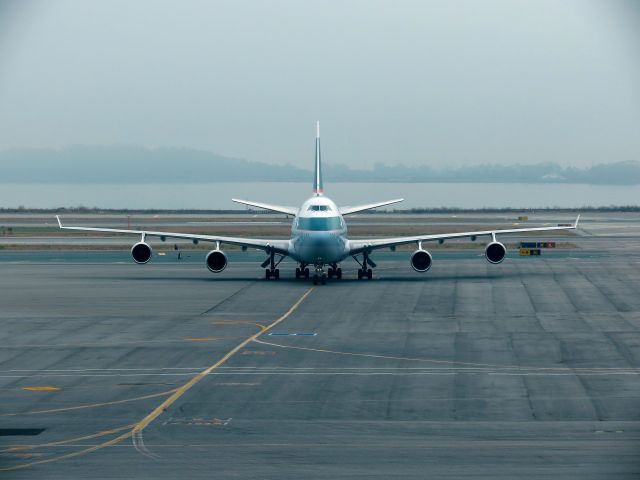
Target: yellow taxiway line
(41, 389)
(67, 441)
(89, 405)
(179, 392)
(185, 388)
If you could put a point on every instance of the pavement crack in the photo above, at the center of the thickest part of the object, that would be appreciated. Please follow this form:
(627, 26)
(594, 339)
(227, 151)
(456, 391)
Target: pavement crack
(222, 302)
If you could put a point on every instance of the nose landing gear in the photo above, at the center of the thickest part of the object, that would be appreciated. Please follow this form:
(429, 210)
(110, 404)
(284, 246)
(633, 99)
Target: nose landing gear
(319, 276)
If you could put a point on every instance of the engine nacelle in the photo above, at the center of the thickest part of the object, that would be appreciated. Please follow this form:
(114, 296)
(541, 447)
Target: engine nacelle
(216, 261)
(421, 261)
(495, 252)
(141, 252)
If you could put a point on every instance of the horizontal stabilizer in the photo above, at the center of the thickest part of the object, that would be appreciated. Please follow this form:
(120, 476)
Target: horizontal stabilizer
(268, 206)
(360, 208)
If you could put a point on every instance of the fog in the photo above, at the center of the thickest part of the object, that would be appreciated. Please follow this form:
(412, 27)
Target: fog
(414, 82)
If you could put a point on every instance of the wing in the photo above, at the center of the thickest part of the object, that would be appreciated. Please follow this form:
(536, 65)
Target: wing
(360, 208)
(358, 246)
(267, 206)
(278, 246)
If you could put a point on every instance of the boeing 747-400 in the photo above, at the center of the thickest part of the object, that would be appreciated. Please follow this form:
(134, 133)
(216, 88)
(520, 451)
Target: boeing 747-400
(319, 239)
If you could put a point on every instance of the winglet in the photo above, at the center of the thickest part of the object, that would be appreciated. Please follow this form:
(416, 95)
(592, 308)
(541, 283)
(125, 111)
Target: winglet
(575, 225)
(59, 222)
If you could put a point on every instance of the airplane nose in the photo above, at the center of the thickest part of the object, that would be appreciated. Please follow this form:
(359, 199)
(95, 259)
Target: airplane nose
(320, 247)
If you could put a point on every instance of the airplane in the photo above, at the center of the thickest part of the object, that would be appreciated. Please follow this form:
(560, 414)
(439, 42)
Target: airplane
(319, 238)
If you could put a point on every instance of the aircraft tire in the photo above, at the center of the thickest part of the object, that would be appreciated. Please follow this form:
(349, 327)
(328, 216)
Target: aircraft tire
(276, 274)
(369, 273)
(306, 274)
(323, 279)
(338, 273)
(267, 274)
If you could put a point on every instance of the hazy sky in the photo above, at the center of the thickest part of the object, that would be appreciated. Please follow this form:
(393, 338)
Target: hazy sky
(448, 82)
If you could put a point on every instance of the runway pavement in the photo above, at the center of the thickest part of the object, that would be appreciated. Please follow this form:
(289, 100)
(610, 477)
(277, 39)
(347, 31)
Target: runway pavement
(527, 369)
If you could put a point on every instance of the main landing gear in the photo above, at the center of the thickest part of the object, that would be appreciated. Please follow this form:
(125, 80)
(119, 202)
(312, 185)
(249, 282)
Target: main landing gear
(275, 273)
(302, 272)
(334, 271)
(272, 271)
(364, 271)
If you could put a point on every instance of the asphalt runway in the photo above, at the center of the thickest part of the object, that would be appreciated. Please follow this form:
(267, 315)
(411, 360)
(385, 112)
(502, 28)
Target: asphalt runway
(527, 369)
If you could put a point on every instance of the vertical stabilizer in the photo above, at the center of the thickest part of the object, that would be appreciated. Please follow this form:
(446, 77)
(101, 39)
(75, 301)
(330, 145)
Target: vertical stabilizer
(317, 179)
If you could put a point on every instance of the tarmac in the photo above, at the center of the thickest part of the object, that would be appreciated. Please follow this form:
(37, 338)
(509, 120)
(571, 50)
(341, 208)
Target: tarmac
(527, 369)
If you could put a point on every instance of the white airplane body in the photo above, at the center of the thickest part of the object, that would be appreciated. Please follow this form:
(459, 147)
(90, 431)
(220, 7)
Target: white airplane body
(319, 238)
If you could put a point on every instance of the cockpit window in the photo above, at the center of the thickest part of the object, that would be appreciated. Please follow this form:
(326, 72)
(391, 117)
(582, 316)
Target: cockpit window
(319, 208)
(319, 223)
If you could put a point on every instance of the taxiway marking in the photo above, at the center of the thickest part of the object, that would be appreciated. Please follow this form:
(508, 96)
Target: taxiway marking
(144, 423)
(88, 405)
(483, 366)
(67, 441)
(109, 443)
(41, 389)
(136, 431)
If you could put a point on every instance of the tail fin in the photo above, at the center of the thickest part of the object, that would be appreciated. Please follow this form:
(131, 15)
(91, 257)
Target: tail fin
(317, 179)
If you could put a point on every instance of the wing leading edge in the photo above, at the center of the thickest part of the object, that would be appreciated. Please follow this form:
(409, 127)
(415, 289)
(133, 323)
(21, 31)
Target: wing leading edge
(358, 246)
(268, 245)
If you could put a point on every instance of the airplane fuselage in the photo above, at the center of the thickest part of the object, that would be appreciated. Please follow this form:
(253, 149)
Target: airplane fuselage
(319, 233)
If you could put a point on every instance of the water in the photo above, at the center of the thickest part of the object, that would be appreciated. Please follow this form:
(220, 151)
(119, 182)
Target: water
(218, 195)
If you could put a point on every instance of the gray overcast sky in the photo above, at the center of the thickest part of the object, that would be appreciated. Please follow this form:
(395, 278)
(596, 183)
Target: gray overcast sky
(449, 82)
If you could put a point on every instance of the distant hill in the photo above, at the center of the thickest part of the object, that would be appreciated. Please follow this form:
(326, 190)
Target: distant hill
(620, 173)
(132, 164)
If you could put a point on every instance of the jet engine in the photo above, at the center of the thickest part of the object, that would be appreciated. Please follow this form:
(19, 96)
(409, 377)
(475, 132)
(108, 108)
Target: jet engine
(216, 261)
(141, 252)
(421, 260)
(495, 252)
